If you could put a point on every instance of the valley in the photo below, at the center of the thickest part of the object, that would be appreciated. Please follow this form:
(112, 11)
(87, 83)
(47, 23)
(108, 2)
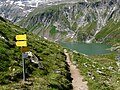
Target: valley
(76, 44)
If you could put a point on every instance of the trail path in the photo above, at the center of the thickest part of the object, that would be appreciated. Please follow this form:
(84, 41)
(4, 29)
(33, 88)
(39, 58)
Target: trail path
(77, 82)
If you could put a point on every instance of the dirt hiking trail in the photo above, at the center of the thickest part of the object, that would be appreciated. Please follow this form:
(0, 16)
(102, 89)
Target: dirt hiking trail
(77, 82)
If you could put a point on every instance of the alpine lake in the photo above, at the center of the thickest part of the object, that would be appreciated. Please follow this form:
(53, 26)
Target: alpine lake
(88, 48)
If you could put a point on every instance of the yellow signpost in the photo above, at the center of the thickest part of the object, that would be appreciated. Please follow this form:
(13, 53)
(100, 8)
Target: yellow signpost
(21, 37)
(21, 42)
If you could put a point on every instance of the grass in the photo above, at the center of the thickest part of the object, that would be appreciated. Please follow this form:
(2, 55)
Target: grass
(74, 26)
(85, 31)
(65, 21)
(53, 30)
(110, 33)
(101, 72)
(53, 75)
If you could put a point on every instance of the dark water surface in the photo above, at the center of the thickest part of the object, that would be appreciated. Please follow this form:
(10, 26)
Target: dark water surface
(89, 49)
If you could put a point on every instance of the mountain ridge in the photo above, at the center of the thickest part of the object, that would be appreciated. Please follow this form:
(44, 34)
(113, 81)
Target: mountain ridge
(78, 22)
(15, 10)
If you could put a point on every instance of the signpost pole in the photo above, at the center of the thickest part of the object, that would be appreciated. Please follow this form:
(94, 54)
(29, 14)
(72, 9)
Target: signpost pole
(23, 62)
(21, 41)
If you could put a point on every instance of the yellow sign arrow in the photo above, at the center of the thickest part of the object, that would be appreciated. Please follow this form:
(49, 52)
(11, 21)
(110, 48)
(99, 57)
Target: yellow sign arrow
(21, 37)
(21, 43)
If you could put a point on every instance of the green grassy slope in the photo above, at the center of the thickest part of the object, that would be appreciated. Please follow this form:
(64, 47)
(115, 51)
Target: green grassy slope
(101, 72)
(53, 76)
(110, 33)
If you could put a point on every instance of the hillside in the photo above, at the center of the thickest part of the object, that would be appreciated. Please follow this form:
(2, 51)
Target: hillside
(76, 22)
(101, 72)
(53, 73)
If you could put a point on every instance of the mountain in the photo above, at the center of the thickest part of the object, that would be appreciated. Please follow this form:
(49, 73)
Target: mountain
(15, 10)
(93, 21)
(52, 73)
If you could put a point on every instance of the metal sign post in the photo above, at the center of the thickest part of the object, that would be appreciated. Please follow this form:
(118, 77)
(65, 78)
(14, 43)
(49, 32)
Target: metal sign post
(22, 43)
(23, 62)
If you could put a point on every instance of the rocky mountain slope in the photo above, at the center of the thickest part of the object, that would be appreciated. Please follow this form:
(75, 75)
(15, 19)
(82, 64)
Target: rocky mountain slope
(15, 10)
(53, 72)
(83, 21)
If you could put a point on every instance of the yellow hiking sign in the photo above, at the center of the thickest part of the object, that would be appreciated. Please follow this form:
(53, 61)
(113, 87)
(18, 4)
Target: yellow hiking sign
(21, 40)
(21, 37)
(21, 43)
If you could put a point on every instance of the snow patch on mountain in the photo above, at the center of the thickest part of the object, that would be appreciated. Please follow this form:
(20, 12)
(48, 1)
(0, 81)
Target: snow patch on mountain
(14, 10)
